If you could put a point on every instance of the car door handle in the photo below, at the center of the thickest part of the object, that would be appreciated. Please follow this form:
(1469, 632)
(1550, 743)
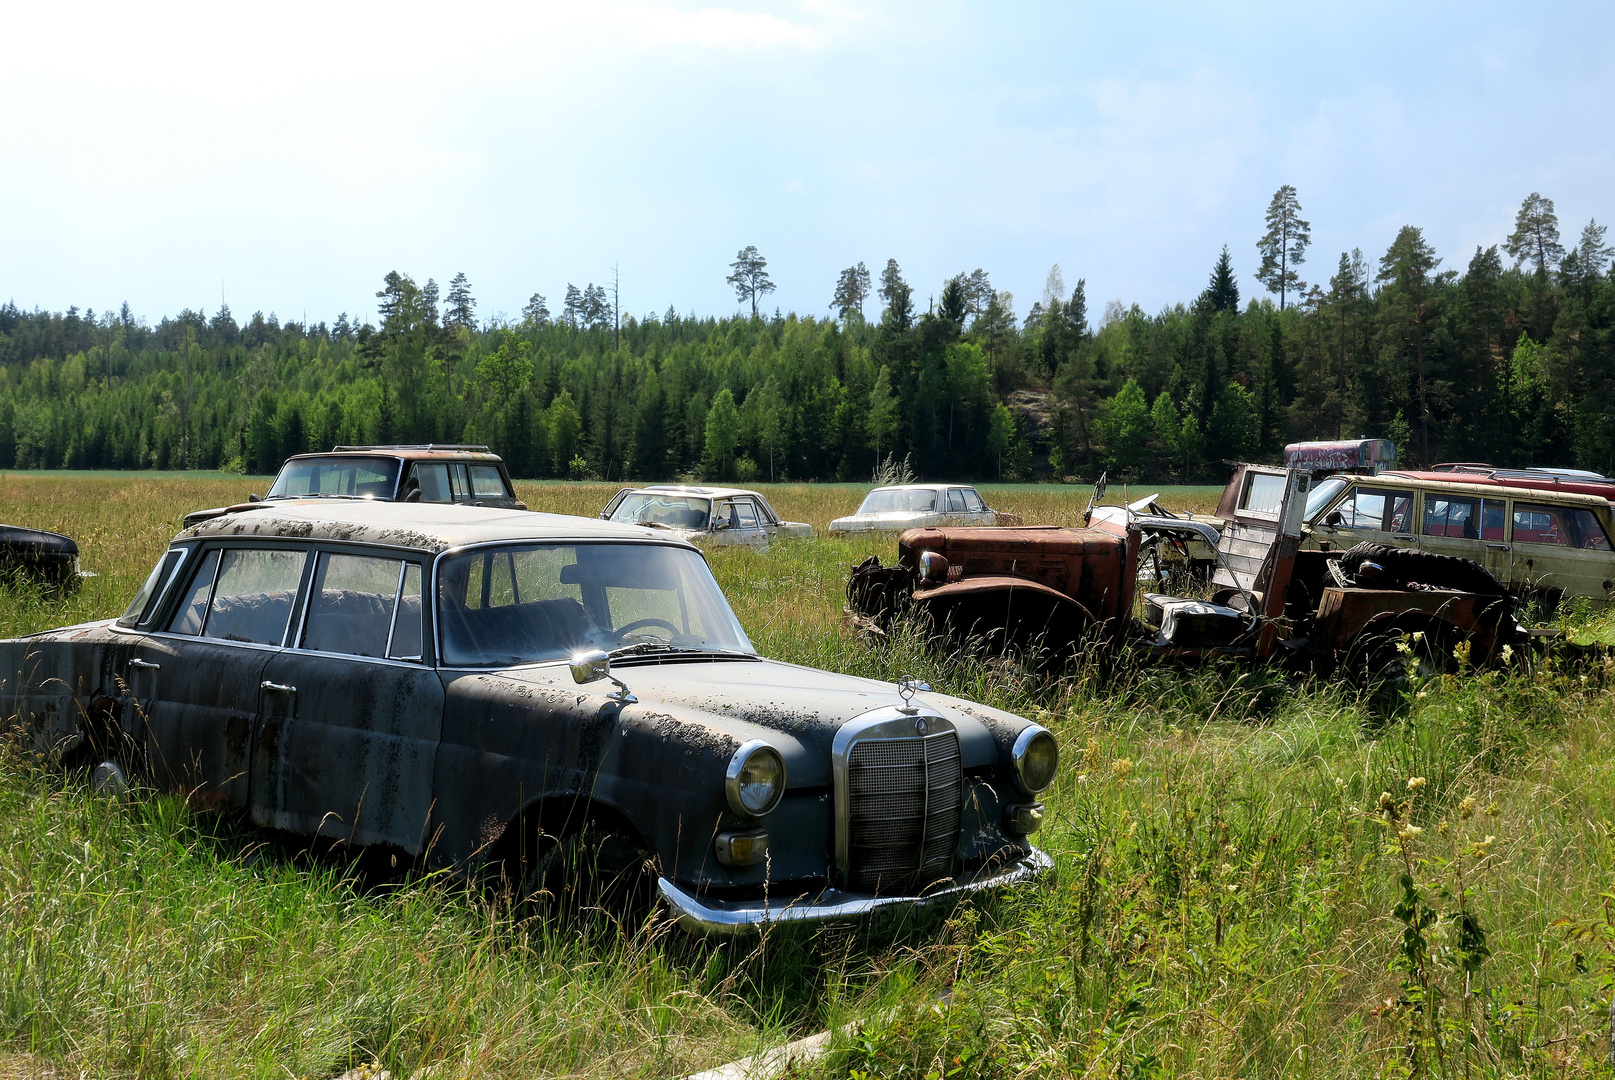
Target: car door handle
(1498, 547)
(144, 665)
(1403, 536)
(278, 688)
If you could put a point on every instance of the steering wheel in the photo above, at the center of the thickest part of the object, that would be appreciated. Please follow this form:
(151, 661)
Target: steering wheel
(639, 623)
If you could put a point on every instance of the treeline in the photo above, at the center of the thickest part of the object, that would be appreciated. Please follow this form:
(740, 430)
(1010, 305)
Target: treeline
(1509, 361)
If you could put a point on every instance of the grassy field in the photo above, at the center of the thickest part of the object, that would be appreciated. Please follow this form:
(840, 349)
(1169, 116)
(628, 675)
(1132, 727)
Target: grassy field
(1255, 878)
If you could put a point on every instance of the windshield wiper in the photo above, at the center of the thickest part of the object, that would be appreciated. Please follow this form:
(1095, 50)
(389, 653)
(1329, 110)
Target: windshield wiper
(640, 648)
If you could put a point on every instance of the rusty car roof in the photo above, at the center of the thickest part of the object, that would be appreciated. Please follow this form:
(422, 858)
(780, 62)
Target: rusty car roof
(422, 526)
(405, 453)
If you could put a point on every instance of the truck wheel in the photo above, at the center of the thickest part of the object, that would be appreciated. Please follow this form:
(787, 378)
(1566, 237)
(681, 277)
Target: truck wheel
(1385, 663)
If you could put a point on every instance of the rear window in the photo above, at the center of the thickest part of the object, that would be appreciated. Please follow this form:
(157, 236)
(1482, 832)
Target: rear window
(487, 483)
(1561, 526)
(894, 500)
(1263, 494)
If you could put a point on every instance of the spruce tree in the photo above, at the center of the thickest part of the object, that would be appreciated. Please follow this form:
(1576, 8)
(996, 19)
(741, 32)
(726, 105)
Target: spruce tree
(462, 308)
(1222, 293)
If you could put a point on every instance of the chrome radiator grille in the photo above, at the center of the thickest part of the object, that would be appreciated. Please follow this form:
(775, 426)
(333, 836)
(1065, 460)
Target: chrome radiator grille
(903, 801)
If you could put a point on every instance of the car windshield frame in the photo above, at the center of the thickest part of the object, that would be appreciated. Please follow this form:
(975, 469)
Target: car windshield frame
(558, 626)
(387, 467)
(1322, 494)
(900, 495)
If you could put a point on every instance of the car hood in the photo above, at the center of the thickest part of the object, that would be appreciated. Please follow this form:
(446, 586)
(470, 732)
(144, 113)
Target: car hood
(797, 709)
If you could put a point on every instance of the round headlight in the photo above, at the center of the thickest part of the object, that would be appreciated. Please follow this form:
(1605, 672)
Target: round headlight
(1035, 756)
(756, 779)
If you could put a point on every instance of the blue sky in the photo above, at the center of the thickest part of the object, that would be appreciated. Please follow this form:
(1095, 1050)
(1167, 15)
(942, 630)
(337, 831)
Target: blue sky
(296, 152)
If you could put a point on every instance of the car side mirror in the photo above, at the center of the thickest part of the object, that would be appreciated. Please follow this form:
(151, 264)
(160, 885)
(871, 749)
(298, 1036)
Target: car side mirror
(592, 665)
(413, 496)
(1334, 518)
(255, 497)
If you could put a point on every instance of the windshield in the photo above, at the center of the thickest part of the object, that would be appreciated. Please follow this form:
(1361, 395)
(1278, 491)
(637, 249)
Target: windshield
(892, 500)
(362, 477)
(673, 511)
(521, 604)
(1322, 495)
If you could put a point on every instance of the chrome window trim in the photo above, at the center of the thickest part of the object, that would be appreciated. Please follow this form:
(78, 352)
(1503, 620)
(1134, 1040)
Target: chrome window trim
(888, 722)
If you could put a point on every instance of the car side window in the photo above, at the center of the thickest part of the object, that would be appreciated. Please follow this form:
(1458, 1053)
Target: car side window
(242, 594)
(973, 501)
(459, 482)
(745, 514)
(354, 604)
(433, 478)
(1377, 509)
(1493, 523)
(142, 607)
(956, 501)
(486, 483)
(1445, 516)
(1562, 526)
(188, 619)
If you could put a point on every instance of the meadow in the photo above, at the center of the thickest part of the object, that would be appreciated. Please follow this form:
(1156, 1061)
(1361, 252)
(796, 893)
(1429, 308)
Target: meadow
(1256, 876)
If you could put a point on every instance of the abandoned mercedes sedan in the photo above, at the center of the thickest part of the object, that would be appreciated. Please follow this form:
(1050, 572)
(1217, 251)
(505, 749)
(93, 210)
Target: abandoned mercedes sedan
(478, 687)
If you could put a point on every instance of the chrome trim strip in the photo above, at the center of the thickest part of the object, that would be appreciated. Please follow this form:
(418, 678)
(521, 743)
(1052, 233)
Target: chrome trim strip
(749, 916)
(888, 722)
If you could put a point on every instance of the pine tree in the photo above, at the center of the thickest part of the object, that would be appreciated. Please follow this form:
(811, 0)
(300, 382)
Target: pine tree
(1536, 235)
(1284, 245)
(852, 289)
(537, 312)
(750, 277)
(572, 308)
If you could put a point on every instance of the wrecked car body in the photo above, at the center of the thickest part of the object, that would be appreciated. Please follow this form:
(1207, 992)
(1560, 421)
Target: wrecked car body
(475, 687)
(723, 517)
(911, 506)
(418, 472)
(1060, 588)
(37, 555)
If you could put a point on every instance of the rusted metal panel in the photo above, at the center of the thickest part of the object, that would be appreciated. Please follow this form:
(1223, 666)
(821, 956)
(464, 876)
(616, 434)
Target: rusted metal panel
(346, 748)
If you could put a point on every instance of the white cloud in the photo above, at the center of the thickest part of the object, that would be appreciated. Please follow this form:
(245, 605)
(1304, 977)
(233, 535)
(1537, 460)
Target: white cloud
(714, 28)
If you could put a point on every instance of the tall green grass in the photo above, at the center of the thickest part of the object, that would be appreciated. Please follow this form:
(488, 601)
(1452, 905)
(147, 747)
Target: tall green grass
(1229, 847)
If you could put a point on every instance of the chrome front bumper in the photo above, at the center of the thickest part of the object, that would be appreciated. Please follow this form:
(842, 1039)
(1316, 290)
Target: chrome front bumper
(743, 916)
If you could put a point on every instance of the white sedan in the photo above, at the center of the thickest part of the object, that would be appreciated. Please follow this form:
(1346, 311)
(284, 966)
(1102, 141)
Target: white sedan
(916, 506)
(722, 516)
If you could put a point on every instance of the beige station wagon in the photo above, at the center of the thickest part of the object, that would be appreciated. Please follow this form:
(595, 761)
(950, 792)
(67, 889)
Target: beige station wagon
(1548, 543)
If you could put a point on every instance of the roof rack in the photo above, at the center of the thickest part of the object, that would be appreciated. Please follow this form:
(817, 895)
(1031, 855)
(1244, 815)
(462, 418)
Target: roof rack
(416, 446)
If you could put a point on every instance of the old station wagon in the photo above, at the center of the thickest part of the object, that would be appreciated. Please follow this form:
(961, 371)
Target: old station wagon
(1550, 544)
(425, 472)
(466, 685)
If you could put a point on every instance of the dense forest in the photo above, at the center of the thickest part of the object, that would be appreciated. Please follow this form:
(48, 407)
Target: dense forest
(1510, 359)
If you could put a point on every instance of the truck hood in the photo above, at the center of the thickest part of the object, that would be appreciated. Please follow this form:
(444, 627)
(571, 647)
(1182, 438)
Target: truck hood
(796, 709)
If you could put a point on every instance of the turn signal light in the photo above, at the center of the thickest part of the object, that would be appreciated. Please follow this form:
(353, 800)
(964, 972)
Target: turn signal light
(747, 848)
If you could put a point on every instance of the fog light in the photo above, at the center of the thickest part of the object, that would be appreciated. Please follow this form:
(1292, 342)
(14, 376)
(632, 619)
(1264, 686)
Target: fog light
(742, 848)
(1023, 820)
